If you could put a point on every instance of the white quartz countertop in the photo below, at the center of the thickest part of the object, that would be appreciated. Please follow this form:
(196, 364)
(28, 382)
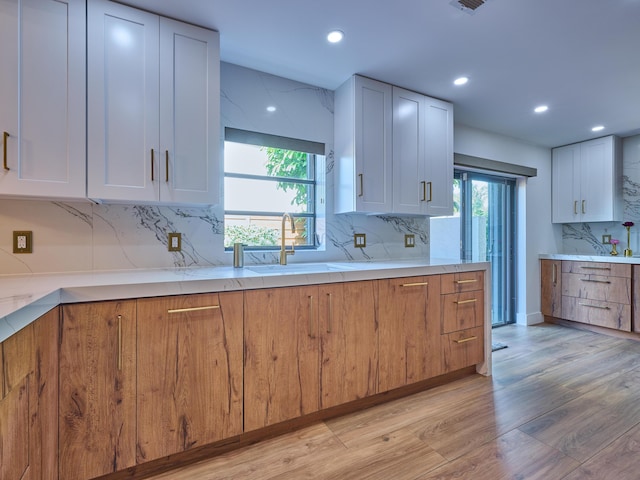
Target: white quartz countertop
(24, 298)
(591, 258)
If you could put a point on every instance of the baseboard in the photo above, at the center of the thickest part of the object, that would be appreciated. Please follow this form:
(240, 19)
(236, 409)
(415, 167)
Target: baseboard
(529, 318)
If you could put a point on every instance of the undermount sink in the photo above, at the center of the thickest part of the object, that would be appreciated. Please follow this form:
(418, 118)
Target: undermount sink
(298, 268)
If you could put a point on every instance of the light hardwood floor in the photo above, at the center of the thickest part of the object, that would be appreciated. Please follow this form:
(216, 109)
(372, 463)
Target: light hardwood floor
(561, 404)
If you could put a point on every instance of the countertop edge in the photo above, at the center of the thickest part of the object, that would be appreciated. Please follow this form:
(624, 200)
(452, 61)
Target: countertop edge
(590, 258)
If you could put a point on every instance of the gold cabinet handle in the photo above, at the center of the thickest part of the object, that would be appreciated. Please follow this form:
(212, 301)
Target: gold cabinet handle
(584, 206)
(119, 342)
(166, 165)
(430, 191)
(462, 302)
(152, 166)
(361, 185)
(596, 268)
(461, 282)
(554, 274)
(465, 340)
(311, 316)
(416, 284)
(193, 309)
(594, 306)
(424, 191)
(4, 152)
(330, 316)
(594, 281)
(575, 207)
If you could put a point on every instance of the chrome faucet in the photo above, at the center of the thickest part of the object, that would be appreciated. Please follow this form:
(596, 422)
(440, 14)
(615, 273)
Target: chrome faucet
(283, 249)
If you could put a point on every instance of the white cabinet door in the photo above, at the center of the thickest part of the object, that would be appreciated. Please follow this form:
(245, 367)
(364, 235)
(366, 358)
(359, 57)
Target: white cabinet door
(189, 113)
(42, 92)
(438, 128)
(123, 103)
(363, 146)
(409, 181)
(565, 184)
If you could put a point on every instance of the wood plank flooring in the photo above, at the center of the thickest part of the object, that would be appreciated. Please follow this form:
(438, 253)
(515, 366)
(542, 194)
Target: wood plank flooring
(561, 404)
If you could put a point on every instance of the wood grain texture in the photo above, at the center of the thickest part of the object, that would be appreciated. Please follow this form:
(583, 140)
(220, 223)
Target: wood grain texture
(462, 349)
(462, 310)
(348, 342)
(597, 268)
(462, 282)
(595, 312)
(551, 288)
(14, 432)
(409, 340)
(189, 372)
(97, 389)
(597, 287)
(282, 362)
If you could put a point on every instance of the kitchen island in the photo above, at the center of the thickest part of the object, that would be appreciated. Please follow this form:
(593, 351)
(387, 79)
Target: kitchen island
(138, 370)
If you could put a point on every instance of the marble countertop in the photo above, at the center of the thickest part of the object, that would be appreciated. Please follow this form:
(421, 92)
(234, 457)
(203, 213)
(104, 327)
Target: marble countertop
(24, 298)
(591, 258)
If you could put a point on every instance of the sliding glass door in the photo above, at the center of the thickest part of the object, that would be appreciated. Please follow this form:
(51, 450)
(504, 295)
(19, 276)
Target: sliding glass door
(485, 223)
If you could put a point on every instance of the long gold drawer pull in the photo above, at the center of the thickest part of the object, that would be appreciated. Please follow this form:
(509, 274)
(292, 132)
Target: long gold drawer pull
(460, 282)
(595, 281)
(119, 342)
(193, 309)
(166, 166)
(465, 340)
(330, 320)
(594, 306)
(4, 152)
(596, 268)
(554, 274)
(424, 191)
(462, 302)
(430, 191)
(416, 284)
(311, 316)
(152, 166)
(361, 185)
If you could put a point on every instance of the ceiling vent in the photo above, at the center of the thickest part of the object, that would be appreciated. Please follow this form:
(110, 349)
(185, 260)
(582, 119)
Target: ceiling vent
(468, 6)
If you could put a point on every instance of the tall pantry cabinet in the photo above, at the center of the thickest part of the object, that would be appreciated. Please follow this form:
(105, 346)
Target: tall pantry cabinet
(42, 93)
(153, 107)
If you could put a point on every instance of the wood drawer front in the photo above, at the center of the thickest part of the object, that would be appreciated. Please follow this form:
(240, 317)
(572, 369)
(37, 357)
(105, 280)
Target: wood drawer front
(462, 282)
(597, 268)
(597, 287)
(593, 312)
(461, 311)
(462, 349)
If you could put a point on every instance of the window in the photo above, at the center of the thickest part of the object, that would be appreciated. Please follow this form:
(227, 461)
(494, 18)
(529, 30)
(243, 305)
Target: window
(266, 176)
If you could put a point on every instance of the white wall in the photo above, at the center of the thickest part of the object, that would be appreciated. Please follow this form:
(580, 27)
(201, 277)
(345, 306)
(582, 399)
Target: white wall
(536, 234)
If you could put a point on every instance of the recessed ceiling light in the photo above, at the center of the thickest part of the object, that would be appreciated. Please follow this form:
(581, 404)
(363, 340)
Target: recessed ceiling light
(597, 128)
(335, 36)
(541, 109)
(271, 108)
(461, 80)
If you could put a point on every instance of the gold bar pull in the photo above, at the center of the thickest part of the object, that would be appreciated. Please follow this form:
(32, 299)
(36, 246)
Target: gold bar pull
(311, 316)
(193, 309)
(575, 207)
(554, 273)
(330, 318)
(465, 340)
(166, 166)
(4, 152)
(152, 166)
(424, 191)
(461, 282)
(596, 268)
(594, 306)
(595, 281)
(462, 302)
(119, 342)
(361, 185)
(583, 206)
(416, 284)
(430, 191)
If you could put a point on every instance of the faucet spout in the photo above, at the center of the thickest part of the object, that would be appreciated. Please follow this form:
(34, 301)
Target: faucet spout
(283, 248)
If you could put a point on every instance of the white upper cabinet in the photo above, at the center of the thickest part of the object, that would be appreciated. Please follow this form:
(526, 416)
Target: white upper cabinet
(394, 150)
(422, 154)
(153, 108)
(363, 130)
(42, 92)
(587, 181)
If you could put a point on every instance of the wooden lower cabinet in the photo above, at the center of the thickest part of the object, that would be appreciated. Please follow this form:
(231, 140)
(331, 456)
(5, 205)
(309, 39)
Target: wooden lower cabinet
(97, 389)
(29, 401)
(409, 316)
(551, 288)
(189, 370)
(462, 349)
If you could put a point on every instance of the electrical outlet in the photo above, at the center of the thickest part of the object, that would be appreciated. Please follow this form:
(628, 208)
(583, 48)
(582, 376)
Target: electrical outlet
(359, 240)
(606, 239)
(175, 242)
(22, 242)
(409, 240)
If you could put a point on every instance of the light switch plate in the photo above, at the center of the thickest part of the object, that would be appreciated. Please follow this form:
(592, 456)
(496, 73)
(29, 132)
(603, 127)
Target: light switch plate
(22, 242)
(175, 242)
(359, 240)
(409, 240)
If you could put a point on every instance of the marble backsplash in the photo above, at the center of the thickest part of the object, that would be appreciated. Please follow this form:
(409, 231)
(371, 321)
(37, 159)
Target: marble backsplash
(86, 236)
(586, 238)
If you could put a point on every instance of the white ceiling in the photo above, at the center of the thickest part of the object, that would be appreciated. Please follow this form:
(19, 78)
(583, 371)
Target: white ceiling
(580, 57)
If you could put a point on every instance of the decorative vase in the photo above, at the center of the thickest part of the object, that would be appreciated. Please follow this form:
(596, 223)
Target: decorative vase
(627, 251)
(614, 250)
